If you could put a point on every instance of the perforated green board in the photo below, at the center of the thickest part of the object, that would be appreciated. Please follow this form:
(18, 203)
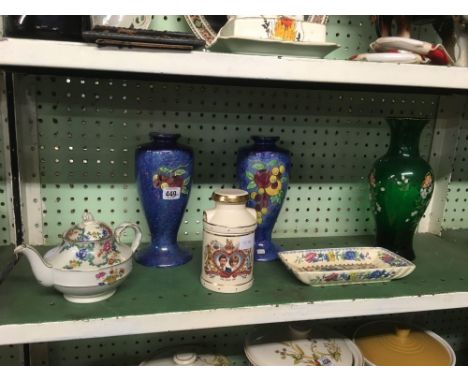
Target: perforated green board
(11, 355)
(88, 130)
(456, 209)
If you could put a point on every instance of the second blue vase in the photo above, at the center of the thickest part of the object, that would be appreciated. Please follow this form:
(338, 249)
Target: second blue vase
(164, 172)
(263, 171)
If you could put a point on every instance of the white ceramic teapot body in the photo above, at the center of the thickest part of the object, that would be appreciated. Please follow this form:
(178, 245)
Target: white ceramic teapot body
(89, 264)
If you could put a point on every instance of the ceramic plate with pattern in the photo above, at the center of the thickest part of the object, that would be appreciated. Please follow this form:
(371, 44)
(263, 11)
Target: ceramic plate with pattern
(338, 266)
(300, 345)
(206, 27)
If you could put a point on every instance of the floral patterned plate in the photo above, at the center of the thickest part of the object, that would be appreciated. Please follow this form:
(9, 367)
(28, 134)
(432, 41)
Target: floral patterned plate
(338, 266)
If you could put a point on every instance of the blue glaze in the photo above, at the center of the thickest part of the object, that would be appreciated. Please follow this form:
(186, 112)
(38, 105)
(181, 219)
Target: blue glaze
(263, 171)
(160, 164)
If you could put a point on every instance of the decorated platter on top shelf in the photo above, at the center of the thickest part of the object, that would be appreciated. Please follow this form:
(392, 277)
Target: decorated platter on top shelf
(341, 266)
(272, 47)
(207, 27)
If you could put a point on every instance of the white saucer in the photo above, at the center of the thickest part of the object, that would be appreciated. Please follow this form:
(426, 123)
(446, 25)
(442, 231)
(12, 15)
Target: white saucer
(394, 57)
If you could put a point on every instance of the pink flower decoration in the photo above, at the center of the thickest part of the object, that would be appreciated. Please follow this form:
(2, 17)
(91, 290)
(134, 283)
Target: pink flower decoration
(100, 275)
(107, 246)
(310, 257)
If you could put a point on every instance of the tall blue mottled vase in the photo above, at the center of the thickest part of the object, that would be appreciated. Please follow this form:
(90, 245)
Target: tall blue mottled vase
(263, 170)
(164, 172)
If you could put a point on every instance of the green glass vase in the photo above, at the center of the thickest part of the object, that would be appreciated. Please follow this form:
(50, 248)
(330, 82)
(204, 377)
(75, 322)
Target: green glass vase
(401, 185)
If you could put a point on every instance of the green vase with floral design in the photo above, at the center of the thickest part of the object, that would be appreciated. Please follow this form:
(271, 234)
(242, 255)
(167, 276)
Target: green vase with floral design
(401, 185)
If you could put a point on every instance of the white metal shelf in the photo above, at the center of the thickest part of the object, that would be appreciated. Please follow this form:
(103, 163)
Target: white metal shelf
(155, 300)
(81, 56)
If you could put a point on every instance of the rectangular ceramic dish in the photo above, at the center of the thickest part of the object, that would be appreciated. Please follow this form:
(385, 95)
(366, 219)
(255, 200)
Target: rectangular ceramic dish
(338, 266)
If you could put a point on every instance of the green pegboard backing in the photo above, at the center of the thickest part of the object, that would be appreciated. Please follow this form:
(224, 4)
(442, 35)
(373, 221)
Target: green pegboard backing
(352, 33)
(4, 167)
(11, 355)
(88, 130)
(456, 208)
(172, 23)
(132, 350)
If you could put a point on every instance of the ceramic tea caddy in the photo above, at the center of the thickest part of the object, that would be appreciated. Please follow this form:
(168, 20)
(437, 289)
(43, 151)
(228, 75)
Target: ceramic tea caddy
(90, 263)
(186, 355)
(228, 242)
(300, 344)
(392, 343)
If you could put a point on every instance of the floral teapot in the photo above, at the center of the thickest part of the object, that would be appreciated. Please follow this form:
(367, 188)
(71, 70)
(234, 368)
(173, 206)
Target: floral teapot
(89, 264)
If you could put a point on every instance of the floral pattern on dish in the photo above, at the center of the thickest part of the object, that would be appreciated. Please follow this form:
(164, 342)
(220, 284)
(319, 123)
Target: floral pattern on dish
(374, 275)
(334, 266)
(312, 356)
(334, 255)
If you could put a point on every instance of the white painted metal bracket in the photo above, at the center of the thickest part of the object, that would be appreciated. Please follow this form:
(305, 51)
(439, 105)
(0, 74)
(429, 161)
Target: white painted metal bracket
(28, 146)
(445, 138)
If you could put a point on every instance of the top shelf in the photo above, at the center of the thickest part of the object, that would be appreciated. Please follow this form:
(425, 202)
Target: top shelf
(81, 56)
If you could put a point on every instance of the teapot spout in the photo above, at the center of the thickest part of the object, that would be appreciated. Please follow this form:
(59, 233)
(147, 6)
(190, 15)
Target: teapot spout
(42, 271)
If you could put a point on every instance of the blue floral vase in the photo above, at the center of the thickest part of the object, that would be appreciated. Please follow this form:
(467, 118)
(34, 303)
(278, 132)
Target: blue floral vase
(164, 172)
(263, 171)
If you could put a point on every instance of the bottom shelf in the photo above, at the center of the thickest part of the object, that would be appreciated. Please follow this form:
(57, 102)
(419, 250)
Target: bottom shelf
(159, 300)
(132, 350)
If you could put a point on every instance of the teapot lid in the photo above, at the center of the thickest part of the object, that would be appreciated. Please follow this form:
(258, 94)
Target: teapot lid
(88, 230)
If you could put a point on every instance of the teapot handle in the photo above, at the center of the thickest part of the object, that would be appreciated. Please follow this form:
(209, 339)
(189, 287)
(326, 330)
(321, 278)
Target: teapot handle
(136, 240)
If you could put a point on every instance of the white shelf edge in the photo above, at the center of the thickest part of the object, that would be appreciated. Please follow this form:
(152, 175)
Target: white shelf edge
(205, 319)
(83, 56)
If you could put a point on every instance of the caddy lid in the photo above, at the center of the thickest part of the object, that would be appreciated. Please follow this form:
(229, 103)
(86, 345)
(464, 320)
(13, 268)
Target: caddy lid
(88, 230)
